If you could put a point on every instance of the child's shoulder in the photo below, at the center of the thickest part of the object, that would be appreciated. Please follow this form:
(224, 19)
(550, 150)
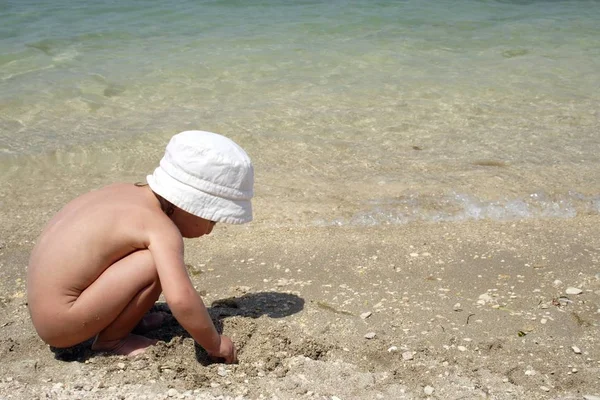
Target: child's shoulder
(118, 198)
(121, 192)
(118, 187)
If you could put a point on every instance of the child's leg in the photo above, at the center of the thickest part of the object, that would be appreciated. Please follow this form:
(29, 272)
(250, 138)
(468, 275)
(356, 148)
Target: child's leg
(115, 303)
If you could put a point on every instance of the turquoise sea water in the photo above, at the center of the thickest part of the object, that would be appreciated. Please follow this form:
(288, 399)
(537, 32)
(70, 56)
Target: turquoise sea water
(355, 112)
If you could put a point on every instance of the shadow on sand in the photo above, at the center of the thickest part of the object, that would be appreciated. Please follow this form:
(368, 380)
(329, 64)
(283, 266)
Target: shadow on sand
(251, 305)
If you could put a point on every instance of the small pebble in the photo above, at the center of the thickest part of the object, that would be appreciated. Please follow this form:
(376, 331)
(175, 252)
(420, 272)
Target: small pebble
(366, 315)
(428, 390)
(484, 298)
(545, 389)
(121, 365)
(221, 371)
(462, 348)
(392, 349)
(172, 392)
(576, 349)
(543, 320)
(408, 355)
(457, 307)
(573, 290)
(58, 386)
(591, 397)
(370, 335)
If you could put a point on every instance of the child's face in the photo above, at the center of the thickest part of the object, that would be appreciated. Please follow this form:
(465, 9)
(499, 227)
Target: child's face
(190, 225)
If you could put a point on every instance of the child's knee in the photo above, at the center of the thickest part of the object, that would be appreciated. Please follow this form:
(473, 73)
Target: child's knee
(151, 273)
(155, 285)
(144, 259)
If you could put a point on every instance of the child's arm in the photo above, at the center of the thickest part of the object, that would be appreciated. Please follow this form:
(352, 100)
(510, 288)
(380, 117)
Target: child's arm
(166, 247)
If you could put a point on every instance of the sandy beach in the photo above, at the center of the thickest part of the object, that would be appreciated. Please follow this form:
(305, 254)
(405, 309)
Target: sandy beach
(427, 202)
(432, 310)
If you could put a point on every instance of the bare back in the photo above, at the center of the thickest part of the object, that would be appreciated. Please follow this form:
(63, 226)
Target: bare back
(87, 236)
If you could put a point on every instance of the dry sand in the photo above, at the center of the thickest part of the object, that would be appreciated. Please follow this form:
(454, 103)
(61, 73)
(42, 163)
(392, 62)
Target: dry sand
(458, 311)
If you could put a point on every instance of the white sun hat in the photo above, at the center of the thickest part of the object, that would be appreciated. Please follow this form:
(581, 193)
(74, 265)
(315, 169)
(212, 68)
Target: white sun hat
(208, 175)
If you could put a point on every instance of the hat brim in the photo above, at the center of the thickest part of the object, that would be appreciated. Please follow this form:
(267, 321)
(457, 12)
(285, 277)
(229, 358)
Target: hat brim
(199, 203)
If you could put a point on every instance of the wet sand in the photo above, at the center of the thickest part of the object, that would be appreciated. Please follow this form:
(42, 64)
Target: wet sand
(454, 311)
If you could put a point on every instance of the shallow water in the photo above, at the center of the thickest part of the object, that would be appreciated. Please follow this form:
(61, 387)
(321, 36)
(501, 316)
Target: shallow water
(354, 112)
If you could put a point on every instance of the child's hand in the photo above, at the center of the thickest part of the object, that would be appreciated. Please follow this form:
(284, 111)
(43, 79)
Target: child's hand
(226, 351)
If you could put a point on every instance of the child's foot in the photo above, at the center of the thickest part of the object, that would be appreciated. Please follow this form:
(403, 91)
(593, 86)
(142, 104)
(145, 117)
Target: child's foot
(150, 322)
(132, 345)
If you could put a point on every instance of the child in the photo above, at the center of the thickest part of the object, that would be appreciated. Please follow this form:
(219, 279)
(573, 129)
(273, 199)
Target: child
(103, 260)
